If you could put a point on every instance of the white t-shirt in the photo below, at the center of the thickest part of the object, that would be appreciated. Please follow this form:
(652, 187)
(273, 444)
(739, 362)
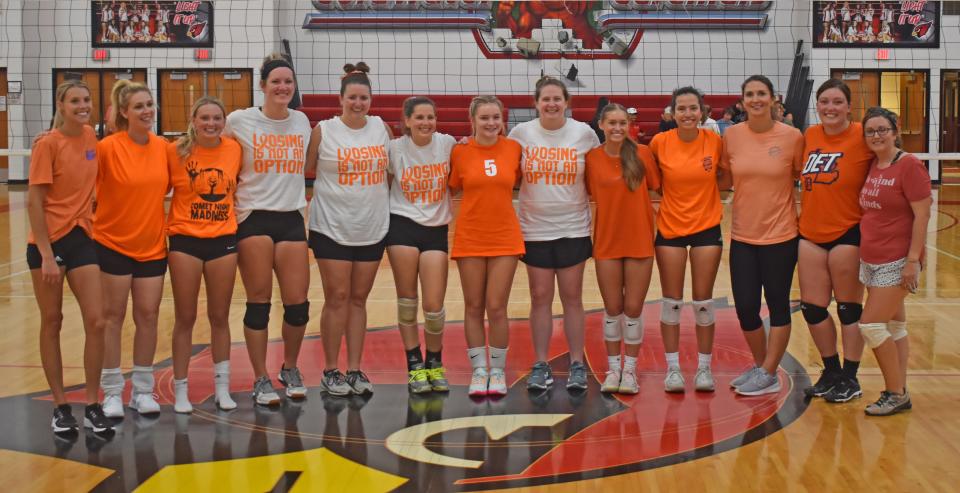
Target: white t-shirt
(274, 153)
(553, 196)
(351, 198)
(419, 189)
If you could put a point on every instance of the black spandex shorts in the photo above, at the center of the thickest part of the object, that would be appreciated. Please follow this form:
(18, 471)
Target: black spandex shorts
(407, 232)
(205, 249)
(279, 226)
(708, 237)
(76, 249)
(557, 254)
(324, 247)
(849, 237)
(118, 264)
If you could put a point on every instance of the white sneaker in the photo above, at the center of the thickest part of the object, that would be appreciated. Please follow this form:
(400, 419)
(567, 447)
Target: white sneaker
(113, 406)
(674, 380)
(479, 382)
(498, 382)
(612, 382)
(628, 383)
(144, 403)
(703, 381)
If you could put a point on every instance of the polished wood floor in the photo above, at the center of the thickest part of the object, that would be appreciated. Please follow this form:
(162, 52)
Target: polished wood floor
(826, 448)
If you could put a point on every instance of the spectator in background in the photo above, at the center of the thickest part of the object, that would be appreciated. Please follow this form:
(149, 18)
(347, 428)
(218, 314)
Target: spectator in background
(739, 114)
(666, 120)
(727, 119)
(634, 131)
(707, 120)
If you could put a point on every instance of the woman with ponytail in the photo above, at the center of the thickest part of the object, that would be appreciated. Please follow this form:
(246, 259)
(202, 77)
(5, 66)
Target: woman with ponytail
(63, 173)
(130, 234)
(202, 225)
(618, 176)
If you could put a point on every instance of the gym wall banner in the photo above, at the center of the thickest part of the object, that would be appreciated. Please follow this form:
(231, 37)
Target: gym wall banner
(151, 24)
(876, 24)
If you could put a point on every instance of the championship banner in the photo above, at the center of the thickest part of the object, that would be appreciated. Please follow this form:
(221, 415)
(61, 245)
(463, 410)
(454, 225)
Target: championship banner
(876, 24)
(151, 24)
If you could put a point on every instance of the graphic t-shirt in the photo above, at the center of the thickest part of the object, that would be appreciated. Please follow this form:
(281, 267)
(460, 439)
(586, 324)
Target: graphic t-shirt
(553, 198)
(69, 166)
(351, 198)
(419, 189)
(887, 223)
(204, 185)
(274, 154)
(688, 175)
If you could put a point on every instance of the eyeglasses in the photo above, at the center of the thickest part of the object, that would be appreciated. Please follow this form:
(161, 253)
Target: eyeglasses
(882, 131)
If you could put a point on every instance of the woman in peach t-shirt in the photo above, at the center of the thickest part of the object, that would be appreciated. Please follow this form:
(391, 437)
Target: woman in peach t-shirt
(764, 158)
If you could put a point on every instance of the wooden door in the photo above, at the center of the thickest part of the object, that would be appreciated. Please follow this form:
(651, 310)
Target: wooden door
(864, 89)
(233, 87)
(950, 112)
(178, 91)
(4, 161)
(913, 111)
(97, 101)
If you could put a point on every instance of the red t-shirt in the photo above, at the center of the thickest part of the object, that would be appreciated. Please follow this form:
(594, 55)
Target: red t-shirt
(887, 223)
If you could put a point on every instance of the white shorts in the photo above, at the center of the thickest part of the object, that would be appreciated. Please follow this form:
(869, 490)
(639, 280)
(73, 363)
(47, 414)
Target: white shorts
(882, 275)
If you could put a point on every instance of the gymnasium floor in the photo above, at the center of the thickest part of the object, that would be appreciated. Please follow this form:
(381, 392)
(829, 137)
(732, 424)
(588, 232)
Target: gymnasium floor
(555, 441)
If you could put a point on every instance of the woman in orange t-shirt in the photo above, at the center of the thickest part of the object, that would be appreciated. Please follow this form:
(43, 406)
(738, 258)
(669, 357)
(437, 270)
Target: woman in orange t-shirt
(689, 217)
(63, 172)
(837, 162)
(130, 234)
(618, 174)
(202, 226)
(487, 241)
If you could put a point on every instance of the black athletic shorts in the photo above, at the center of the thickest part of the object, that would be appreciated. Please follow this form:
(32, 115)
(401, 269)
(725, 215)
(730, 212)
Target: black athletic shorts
(708, 237)
(849, 237)
(205, 249)
(75, 249)
(407, 232)
(557, 254)
(279, 226)
(118, 264)
(324, 247)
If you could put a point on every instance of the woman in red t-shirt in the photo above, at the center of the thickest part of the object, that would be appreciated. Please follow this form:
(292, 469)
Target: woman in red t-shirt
(896, 208)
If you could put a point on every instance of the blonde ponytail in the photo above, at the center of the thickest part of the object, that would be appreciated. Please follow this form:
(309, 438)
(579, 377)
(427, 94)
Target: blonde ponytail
(120, 98)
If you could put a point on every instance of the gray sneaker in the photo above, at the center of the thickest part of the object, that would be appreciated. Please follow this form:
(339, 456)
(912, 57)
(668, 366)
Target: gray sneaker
(703, 381)
(742, 379)
(293, 381)
(674, 380)
(577, 379)
(760, 383)
(359, 382)
(263, 392)
(889, 403)
(541, 378)
(335, 383)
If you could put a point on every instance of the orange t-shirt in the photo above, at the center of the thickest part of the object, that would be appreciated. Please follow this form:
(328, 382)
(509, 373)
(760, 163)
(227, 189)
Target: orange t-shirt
(69, 166)
(131, 186)
(487, 224)
(624, 221)
(764, 168)
(836, 167)
(688, 174)
(203, 190)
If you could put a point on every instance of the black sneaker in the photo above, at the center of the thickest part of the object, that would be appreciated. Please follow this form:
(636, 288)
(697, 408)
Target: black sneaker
(63, 420)
(827, 381)
(94, 419)
(845, 390)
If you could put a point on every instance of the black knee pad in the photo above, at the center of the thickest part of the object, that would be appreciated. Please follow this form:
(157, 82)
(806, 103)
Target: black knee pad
(297, 315)
(848, 312)
(814, 314)
(257, 316)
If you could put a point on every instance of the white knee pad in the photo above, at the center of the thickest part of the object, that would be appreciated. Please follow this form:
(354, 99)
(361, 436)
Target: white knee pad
(433, 321)
(898, 329)
(874, 334)
(670, 311)
(612, 327)
(632, 330)
(703, 312)
(407, 311)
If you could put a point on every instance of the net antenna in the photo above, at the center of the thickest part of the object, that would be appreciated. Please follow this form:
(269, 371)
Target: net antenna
(287, 55)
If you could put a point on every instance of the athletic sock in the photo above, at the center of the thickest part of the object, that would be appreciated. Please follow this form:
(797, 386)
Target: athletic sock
(673, 359)
(142, 379)
(478, 357)
(630, 364)
(414, 358)
(850, 368)
(221, 384)
(703, 360)
(498, 357)
(111, 381)
(434, 359)
(613, 363)
(832, 363)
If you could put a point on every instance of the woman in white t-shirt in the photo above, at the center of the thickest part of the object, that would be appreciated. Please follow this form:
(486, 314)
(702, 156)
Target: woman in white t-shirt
(270, 196)
(349, 219)
(417, 242)
(554, 215)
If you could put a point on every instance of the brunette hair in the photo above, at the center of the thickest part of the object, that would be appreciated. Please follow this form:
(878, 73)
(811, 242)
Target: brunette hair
(550, 81)
(888, 115)
(355, 74)
(684, 91)
(835, 84)
(763, 79)
(633, 169)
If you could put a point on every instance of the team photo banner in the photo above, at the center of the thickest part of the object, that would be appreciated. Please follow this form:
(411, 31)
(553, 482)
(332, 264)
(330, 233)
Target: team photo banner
(876, 24)
(152, 24)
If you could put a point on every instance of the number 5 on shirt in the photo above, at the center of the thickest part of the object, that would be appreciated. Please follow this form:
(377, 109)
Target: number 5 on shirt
(490, 167)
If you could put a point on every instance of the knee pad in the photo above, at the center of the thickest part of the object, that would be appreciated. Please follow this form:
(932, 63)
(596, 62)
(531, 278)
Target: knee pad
(612, 327)
(632, 330)
(257, 316)
(849, 313)
(874, 334)
(897, 329)
(703, 312)
(433, 321)
(815, 314)
(407, 311)
(670, 311)
(297, 315)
